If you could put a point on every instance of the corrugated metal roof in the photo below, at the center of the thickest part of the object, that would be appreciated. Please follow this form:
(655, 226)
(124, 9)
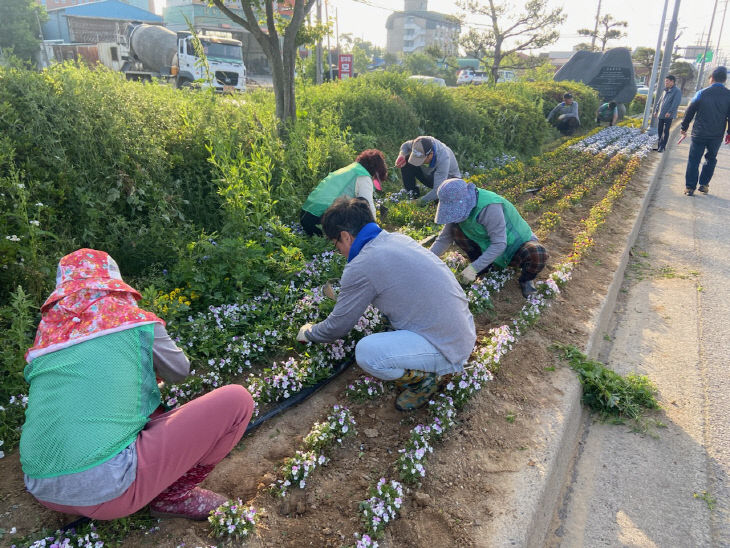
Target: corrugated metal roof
(111, 9)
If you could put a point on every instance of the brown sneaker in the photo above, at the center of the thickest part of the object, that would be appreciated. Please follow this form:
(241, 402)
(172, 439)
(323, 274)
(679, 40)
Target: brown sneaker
(704, 189)
(689, 191)
(196, 505)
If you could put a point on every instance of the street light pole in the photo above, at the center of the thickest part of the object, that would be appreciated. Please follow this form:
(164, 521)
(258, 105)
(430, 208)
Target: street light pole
(652, 79)
(704, 55)
(666, 59)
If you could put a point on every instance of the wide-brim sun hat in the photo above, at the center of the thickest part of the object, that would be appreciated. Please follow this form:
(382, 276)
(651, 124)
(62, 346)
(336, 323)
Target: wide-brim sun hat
(456, 200)
(87, 269)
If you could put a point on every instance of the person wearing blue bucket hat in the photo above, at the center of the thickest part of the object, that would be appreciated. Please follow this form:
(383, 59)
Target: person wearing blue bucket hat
(491, 232)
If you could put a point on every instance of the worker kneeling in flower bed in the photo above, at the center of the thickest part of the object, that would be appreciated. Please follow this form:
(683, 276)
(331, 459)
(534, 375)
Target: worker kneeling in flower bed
(434, 330)
(354, 181)
(93, 442)
(489, 230)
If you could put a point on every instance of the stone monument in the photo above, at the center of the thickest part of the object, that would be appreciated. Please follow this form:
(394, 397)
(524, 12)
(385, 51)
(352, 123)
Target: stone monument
(611, 73)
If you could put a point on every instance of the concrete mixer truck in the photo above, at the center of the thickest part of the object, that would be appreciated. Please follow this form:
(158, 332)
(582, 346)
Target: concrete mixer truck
(153, 51)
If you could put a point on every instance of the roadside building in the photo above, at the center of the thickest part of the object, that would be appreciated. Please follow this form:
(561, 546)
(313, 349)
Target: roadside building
(94, 22)
(558, 58)
(148, 5)
(415, 28)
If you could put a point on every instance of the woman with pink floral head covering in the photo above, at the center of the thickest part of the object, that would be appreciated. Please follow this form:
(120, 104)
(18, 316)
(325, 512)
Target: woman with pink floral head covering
(92, 443)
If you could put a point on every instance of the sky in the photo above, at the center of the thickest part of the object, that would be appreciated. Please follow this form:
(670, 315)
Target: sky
(366, 19)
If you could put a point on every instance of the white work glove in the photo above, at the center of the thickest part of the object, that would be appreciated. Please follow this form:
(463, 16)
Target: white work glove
(302, 335)
(468, 275)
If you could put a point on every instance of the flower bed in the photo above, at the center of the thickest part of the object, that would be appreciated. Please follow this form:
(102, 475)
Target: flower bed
(233, 343)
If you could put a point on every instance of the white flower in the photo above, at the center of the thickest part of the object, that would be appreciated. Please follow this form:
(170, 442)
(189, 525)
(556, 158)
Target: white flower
(13, 238)
(35, 223)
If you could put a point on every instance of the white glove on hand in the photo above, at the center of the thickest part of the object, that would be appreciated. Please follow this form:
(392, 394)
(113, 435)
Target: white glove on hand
(302, 335)
(468, 275)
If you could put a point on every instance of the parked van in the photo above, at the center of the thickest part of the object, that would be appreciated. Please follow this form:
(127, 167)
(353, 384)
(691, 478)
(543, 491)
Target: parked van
(433, 80)
(470, 76)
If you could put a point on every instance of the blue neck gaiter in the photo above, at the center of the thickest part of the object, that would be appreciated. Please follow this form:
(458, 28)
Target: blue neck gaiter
(369, 232)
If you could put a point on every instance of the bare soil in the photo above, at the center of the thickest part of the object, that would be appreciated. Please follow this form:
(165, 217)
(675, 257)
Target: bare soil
(468, 477)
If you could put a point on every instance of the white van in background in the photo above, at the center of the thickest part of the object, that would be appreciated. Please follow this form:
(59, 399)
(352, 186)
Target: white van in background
(474, 77)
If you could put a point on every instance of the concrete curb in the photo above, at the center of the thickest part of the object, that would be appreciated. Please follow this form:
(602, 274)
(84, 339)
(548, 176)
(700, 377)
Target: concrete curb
(538, 495)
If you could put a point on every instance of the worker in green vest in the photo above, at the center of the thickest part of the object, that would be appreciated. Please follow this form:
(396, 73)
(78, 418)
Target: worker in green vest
(354, 181)
(489, 230)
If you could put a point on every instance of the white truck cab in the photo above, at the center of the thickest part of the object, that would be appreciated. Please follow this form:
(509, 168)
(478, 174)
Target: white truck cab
(225, 62)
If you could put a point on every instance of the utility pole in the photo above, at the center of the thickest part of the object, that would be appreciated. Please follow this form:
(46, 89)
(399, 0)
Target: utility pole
(595, 28)
(337, 35)
(704, 55)
(652, 79)
(666, 59)
(329, 48)
(722, 26)
(318, 63)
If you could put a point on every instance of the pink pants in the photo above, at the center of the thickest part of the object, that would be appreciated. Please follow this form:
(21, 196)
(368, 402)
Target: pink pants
(200, 433)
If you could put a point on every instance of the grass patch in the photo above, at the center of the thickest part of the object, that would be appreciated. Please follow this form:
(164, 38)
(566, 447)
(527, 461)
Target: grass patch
(606, 392)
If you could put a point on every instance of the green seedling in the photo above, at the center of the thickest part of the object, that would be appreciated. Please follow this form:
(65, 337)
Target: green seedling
(708, 498)
(510, 418)
(613, 396)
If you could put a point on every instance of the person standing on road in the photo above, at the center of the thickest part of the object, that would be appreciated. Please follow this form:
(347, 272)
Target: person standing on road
(354, 181)
(491, 232)
(565, 115)
(666, 110)
(430, 161)
(434, 332)
(710, 109)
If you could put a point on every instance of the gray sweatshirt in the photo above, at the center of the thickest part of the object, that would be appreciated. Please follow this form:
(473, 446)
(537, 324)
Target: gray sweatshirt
(412, 287)
(444, 165)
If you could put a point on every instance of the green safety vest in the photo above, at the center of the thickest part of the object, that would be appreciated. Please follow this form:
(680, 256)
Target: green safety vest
(87, 402)
(518, 231)
(336, 184)
(605, 112)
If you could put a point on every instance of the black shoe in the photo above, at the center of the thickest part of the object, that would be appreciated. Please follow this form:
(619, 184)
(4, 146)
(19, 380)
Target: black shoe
(704, 189)
(528, 288)
(689, 191)
(660, 149)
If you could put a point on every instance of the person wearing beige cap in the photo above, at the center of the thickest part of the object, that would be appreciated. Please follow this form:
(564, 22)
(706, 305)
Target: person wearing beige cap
(430, 161)
(490, 230)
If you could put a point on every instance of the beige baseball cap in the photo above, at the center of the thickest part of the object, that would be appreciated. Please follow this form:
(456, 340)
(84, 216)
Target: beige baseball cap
(422, 147)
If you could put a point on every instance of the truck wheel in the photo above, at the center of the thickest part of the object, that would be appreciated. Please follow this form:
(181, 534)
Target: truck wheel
(184, 83)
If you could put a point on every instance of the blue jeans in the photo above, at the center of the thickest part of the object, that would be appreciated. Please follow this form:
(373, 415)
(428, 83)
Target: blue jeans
(696, 150)
(388, 355)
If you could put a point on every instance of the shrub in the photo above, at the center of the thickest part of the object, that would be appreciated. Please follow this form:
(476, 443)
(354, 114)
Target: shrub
(637, 105)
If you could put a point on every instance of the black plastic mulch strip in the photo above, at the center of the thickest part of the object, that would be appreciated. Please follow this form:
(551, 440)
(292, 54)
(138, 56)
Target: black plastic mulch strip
(298, 397)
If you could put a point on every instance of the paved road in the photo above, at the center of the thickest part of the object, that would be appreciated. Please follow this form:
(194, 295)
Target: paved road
(669, 487)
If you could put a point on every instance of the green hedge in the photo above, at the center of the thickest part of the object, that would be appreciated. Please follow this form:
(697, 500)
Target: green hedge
(142, 170)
